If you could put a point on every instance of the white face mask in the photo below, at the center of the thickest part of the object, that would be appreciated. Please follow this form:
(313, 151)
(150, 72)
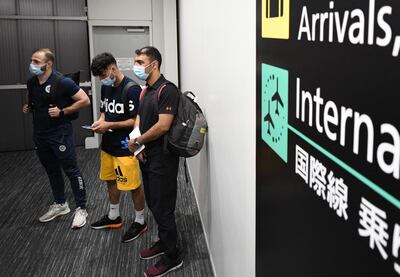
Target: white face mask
(108, 81)
(36, 69)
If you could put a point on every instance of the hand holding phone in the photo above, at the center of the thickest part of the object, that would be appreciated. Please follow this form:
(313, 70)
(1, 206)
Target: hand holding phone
(88, 127)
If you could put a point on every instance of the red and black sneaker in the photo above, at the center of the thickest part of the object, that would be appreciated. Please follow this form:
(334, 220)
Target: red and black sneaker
(163, 267)
(107, 223)
(152, 252)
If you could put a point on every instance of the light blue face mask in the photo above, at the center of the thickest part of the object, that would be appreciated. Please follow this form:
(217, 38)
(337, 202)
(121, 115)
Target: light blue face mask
(108, 81)
(36, 69)
(140, 72)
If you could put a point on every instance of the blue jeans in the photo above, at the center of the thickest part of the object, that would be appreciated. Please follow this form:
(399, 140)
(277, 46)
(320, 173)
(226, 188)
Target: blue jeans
(56, 150)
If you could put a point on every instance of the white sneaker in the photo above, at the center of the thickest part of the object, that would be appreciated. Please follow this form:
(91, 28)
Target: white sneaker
(54, 211)
(79, 218)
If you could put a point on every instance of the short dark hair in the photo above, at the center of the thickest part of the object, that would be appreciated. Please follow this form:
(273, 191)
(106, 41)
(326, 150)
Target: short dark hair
(47, 53)
(150, 52)
(101, 62)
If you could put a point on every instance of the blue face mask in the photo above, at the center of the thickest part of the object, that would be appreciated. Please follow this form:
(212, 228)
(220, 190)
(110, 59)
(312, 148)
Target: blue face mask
(108, 81)
(140, 72)
(36, 69)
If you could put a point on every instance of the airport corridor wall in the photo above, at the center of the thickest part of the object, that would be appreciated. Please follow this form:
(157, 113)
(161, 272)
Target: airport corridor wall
(217, 62)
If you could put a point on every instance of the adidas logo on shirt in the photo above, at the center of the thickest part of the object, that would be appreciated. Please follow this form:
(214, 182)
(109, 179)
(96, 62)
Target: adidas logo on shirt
(114, 107)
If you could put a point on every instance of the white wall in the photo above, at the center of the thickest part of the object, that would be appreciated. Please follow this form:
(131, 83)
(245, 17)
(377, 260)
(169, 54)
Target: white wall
(217, 61)
(165, 36)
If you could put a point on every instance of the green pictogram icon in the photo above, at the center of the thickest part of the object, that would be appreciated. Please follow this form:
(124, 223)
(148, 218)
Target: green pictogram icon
(274, 108)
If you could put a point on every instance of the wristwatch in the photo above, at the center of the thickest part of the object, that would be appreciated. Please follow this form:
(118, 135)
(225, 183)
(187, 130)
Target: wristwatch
(137, 143)
(61, 114)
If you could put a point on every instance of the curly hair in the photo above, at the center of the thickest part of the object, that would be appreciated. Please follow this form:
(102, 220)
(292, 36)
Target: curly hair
(101, 62)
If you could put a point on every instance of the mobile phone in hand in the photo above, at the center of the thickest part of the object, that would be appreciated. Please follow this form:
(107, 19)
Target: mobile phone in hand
(88, 127)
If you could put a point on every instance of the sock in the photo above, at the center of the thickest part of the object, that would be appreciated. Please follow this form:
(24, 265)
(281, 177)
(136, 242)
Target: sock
(139, 216)
(114, 211)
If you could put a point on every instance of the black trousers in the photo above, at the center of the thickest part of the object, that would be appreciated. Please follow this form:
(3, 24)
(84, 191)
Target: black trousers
(159, 175)
(56, 150)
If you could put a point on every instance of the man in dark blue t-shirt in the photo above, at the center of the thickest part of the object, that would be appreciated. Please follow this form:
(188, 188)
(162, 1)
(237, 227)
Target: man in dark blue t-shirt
(119, 106)
(52, 132)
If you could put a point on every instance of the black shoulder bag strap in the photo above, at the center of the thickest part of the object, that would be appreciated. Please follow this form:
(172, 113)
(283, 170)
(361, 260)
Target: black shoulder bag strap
(124, 94)
(158, 94)
(29, 85)
(54, 89)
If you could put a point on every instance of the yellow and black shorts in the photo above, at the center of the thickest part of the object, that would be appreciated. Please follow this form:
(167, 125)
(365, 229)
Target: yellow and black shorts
(124, 170)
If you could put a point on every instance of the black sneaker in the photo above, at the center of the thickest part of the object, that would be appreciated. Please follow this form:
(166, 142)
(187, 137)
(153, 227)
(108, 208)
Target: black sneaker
(135, 231)
(107, 223)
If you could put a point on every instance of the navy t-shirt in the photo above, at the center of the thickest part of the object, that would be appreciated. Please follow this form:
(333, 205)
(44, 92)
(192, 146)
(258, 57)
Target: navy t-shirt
(115, 143)
(39, 95)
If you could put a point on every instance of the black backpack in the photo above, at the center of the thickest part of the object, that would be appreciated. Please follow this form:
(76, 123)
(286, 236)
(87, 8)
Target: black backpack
(187, 133)
(54, 96)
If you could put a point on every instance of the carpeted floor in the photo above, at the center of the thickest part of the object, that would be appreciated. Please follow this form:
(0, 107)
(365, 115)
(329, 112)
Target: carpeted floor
(31, 248)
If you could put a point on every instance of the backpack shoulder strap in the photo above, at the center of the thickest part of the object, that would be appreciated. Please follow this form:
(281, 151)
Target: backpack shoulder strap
(54, 87)
(29, 85)
(124, 93)
(142, 93)
(162, 87)
(159, 90)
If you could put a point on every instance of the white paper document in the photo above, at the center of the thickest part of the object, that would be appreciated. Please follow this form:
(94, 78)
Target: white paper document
(135, 134)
